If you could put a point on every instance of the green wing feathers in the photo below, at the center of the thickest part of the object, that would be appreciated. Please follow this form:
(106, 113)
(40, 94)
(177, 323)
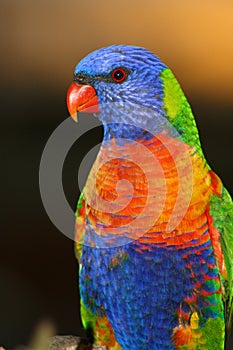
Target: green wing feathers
(221, 209)
(80, 223)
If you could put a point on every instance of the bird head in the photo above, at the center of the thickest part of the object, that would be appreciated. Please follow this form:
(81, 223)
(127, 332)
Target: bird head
(131, 86)
(116, 74)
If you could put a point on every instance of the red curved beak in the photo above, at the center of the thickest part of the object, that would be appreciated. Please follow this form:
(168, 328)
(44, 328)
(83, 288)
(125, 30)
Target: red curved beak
(81, 98)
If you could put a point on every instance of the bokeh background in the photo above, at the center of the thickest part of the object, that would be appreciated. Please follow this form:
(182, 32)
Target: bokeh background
(41, 41)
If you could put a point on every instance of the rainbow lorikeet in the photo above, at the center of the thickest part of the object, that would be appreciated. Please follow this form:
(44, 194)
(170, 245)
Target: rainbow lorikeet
(154, 228)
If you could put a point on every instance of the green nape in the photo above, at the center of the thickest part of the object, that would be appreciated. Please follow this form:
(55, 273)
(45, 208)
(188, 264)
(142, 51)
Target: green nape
(178, 110)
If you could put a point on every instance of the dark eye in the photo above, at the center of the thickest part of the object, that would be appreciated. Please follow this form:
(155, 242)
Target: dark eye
(119, 75)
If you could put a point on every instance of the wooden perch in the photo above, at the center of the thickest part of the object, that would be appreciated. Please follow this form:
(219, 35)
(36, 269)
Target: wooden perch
(70, 342)
(63, 342)
(44, 338)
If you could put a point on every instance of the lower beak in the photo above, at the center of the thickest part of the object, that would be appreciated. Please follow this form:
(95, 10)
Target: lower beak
(81, 98)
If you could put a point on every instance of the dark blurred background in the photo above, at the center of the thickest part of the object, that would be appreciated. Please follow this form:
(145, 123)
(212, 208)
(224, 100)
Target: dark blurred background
(41, 43)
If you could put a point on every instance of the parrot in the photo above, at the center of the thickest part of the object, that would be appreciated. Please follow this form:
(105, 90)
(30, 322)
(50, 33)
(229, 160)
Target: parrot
(154, 223)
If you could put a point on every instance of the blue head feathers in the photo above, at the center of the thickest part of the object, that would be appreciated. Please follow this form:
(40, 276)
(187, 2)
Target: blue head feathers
(136, 99)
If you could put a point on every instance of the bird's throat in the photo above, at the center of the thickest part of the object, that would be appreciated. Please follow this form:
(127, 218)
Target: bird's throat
(125, 131)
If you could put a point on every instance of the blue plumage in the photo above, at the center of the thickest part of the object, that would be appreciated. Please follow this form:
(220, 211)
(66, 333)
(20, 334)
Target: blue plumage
(143, 292)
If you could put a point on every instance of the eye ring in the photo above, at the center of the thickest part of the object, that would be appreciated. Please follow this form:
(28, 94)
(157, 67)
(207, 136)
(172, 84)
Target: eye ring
(119, 75)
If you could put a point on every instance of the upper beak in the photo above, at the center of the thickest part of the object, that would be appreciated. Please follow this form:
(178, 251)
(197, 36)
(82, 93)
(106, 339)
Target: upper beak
(81, 98)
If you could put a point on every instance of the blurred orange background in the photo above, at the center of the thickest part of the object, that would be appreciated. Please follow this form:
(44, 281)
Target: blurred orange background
(41, 42)
(46, 38)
